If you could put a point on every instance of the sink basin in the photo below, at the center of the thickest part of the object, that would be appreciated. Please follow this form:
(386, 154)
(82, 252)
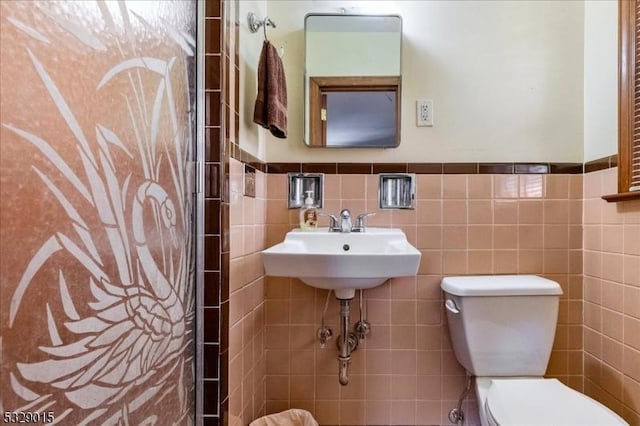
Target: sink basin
(342, 262)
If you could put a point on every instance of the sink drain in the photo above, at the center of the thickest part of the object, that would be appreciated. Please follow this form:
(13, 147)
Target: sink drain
(346, 247)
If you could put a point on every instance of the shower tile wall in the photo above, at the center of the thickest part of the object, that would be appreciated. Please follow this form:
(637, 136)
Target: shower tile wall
(405, 372)
(611, 297)
(216, 253)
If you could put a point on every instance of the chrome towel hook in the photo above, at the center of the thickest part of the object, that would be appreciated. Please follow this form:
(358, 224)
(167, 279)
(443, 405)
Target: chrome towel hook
(255, 23)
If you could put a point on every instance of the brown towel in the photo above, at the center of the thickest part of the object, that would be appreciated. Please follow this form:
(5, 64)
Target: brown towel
(270, 110)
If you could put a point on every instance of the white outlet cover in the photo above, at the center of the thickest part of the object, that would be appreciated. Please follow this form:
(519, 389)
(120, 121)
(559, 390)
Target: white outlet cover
(424, 112)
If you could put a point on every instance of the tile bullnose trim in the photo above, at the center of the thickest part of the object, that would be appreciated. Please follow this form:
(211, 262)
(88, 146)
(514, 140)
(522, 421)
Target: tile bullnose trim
(567, 168)
(424, 168)
(601, 163)
(496, 168)
(428, 168)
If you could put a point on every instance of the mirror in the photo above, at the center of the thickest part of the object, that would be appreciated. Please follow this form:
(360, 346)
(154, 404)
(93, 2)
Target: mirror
(352, 80)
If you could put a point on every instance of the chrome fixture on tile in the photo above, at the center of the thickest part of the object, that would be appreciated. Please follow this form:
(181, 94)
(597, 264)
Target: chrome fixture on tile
(333, 222)
(347, 343)
(348, 340)
(456, 415)
(397, 190)
(249, 181)
(344, 222)
(360, 222)
(255, 23)
(362, 327)
(300, 184)
(324, 333)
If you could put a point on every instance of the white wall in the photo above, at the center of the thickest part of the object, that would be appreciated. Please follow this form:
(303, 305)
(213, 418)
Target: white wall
(506, 78)
(600, 79)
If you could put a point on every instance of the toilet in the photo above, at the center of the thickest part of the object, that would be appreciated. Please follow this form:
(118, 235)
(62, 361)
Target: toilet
(502, 329)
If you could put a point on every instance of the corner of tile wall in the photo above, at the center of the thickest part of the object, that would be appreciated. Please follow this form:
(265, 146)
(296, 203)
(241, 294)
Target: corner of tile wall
(247, 366)
(611, 296)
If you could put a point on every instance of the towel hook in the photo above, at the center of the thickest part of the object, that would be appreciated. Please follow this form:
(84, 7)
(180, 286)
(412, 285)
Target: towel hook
(255, 23)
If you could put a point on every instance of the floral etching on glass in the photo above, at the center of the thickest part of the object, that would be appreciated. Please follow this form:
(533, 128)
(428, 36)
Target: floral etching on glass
(97, 239)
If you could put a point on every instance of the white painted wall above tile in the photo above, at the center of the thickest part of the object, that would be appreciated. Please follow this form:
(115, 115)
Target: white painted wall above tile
(507, 78)
(600, 79)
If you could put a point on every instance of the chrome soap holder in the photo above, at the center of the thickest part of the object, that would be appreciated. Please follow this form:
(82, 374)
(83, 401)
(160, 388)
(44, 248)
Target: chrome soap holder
(249, 181)
(397, 190)
(299, 183)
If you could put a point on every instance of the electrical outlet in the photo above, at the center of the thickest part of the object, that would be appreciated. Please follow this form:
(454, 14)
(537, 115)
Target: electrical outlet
(424, 112)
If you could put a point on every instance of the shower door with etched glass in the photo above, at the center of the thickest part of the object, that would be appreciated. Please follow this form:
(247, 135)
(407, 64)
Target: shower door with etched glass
(96, 212)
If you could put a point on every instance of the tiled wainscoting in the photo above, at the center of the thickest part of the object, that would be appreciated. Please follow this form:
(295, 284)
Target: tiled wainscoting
(555, 225)
(405, 372)
(611, 297)
(247, 366)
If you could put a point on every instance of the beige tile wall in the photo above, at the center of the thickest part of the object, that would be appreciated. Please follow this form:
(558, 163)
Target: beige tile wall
(405, 372)
(246, 300)
(611, 297)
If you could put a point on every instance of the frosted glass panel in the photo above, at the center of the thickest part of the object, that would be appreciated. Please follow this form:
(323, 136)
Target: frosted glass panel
(96, 231)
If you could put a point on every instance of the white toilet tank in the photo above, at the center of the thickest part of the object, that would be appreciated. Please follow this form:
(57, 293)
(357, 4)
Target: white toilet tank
(502, 325)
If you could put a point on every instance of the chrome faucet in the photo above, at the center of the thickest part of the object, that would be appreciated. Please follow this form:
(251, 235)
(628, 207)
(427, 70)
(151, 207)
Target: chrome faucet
(345, 221)
(360, 226)
(333, 222)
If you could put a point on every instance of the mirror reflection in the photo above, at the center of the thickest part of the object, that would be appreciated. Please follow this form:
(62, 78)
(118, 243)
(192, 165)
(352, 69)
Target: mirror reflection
(352, 80)
(361, 118)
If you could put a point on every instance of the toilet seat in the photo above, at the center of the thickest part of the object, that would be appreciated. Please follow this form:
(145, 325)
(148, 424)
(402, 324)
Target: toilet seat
(520, 401)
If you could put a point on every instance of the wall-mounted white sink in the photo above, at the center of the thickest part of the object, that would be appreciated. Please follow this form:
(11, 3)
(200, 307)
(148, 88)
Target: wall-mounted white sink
(343, 262)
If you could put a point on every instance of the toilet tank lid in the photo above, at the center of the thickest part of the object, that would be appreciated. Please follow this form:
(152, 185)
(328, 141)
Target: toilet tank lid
(500, 285)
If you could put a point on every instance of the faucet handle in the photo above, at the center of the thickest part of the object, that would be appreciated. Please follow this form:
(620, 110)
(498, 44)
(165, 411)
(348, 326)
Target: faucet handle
(333, 221)
(361, 219)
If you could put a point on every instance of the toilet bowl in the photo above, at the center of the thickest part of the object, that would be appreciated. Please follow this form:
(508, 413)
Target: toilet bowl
(502, 329)
(538, 402)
